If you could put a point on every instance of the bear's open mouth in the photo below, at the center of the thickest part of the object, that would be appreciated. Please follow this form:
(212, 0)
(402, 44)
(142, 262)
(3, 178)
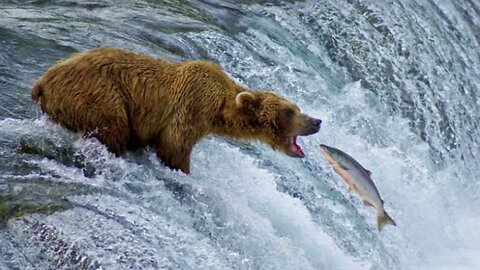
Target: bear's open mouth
(295, 149)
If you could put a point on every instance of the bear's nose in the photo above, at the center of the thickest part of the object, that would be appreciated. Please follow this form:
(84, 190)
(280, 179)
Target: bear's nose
(316, 122)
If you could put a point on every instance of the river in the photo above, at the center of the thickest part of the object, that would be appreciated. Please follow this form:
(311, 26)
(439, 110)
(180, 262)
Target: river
(396, 83)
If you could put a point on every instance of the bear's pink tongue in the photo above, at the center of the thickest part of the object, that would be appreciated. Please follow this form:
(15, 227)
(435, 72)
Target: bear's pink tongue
(296, 148)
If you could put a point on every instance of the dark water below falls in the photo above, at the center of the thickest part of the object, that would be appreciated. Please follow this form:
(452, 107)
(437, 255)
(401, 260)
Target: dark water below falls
(396, 83)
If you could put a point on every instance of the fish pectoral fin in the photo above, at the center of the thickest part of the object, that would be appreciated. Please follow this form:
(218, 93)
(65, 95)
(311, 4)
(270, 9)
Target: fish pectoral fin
(367, 203)
(343, 167)
(352, 187)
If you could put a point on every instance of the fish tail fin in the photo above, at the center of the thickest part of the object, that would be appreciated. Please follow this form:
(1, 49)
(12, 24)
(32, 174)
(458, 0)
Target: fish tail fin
(384, 219)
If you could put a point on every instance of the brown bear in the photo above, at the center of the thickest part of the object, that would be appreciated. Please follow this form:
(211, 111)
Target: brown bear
(127, 100)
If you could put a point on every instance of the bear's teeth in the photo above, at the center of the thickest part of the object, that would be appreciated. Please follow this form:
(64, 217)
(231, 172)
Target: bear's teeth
(296, 148)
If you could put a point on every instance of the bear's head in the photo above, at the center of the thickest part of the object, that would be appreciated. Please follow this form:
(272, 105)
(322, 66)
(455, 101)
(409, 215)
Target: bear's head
(275, 121)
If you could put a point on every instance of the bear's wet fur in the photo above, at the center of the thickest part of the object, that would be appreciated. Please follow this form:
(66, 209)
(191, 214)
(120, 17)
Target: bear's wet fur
(128, 100)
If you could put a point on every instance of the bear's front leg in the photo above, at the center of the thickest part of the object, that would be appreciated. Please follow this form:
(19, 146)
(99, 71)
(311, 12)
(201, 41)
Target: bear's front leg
(175, 154)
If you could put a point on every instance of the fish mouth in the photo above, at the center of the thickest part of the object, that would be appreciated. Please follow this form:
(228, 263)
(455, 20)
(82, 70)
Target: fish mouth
(325, 153)
(294, 150)
(323, 148)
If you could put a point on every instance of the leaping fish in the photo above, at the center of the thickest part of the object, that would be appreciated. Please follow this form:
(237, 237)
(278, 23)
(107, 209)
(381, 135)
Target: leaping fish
(358, 180)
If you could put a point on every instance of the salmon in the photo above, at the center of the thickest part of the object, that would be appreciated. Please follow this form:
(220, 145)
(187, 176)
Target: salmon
(358, 180)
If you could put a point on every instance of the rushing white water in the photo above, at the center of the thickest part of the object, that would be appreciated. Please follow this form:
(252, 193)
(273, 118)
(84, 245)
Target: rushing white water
(396, 85)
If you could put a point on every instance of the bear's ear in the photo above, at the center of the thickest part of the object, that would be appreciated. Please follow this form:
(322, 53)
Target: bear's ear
(272, 93)
(244, 98)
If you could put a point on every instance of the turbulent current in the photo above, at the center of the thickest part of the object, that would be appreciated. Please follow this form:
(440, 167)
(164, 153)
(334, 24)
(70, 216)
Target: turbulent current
(396, 83)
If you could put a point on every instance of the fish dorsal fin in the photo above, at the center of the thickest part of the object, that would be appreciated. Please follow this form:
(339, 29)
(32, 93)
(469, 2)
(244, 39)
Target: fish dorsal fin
(368, 172)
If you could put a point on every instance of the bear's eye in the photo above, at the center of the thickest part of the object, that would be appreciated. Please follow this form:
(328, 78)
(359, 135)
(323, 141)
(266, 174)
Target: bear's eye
(289, 113)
